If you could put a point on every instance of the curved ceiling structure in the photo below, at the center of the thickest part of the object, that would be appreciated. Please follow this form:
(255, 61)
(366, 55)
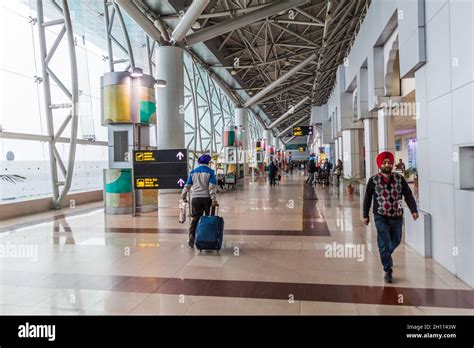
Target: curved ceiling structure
(280, 54)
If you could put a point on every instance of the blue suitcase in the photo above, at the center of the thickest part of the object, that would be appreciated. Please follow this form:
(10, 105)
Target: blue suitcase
(209, 232)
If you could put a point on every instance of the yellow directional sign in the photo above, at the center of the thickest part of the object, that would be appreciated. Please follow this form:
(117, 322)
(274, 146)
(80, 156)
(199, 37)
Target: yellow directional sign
(144, 156)
(160, 169)
(297, 131)
(146, 183)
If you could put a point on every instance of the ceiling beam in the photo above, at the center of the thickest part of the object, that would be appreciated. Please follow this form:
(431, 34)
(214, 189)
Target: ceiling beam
(235, 23)
(304, 13)
(141, 19)
(292, 110)
(295, 22)
(221, 13)
(280, 80)
(292, 33)
(291, 86)
(188, 20)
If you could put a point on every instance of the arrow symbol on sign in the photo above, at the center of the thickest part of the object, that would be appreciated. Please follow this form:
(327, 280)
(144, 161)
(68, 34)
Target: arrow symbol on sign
(180, 182)
(180, 156)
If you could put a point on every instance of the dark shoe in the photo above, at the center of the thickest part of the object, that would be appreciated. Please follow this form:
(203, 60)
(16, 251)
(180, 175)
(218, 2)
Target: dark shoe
(388, 277)
(191, 244)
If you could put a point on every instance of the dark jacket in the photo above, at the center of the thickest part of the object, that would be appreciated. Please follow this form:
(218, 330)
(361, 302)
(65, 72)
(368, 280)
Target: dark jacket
(311, 167)
(327, 167)
(387, 196)
(272, 169)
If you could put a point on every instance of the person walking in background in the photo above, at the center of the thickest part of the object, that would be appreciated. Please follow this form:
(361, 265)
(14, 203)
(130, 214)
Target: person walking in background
(272, 173)
(338, 170)
(401, 166)
(202, 180)
(326, 172)
(311, 170)
(386, 190)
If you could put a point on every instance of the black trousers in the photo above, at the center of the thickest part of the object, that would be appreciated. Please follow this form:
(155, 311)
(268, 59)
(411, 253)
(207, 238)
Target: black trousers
(272, 179)
(199, 206)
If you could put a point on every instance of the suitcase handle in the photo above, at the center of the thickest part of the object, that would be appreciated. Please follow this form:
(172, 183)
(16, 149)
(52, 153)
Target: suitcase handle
(215, 210)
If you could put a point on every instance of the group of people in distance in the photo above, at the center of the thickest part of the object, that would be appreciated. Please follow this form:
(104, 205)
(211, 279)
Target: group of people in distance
(321, 172)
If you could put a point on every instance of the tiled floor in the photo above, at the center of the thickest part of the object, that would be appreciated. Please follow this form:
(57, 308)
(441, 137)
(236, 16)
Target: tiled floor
(275, 261)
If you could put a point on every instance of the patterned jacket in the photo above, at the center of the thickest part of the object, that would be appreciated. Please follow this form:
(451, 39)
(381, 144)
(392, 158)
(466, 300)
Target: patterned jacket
(387, 196)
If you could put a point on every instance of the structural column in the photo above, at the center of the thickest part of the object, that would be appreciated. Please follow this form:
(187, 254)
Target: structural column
(170, 100)
(340, 148)
(371, 146)
(352, 154)
(268, 139)
(278, 143)
(242, 123)
(336, 150)
(386, 131)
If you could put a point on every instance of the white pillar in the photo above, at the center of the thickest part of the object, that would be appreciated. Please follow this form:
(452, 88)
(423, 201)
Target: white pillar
(352, 153)
(242, 123)
(267, 136)
(275, 142)
(279, 144)
(341, 148)
(371, 146)
(386, 131)
(333, 153)
(170, 100)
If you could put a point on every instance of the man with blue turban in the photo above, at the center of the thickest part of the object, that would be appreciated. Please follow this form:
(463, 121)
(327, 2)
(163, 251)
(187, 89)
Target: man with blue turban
(203, 182)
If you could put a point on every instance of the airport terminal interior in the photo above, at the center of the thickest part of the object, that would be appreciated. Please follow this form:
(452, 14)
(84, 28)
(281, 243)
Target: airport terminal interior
(319, 131)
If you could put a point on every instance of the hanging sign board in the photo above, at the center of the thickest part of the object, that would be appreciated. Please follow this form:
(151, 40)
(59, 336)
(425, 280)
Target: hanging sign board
(160, 169)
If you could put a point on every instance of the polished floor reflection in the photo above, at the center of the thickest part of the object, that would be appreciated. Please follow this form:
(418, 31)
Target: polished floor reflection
(288, 250)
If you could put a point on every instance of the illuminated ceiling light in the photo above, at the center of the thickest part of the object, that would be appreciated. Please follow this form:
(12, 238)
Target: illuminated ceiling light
(196, 25)
(233, 72)
(136, 72)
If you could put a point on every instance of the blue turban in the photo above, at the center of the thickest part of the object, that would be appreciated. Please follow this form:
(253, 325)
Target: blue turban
(204, 159)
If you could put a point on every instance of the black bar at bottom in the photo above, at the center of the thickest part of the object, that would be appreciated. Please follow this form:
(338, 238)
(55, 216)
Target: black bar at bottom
(215, 330)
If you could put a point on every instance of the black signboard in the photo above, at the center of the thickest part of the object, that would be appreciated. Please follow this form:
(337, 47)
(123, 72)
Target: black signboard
(302, 130)
(160, 169)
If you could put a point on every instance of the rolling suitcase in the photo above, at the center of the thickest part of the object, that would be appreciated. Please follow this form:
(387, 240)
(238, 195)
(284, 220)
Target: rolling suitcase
(210, 232)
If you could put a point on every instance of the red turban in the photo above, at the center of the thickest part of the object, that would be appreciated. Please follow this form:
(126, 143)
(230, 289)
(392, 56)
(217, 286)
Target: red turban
(384, 155)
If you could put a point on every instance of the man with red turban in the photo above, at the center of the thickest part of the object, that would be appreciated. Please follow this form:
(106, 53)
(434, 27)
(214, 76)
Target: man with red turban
(386, 190)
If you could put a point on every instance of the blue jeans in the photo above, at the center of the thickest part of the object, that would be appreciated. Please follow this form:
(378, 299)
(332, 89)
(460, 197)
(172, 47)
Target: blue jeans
(389, 235)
